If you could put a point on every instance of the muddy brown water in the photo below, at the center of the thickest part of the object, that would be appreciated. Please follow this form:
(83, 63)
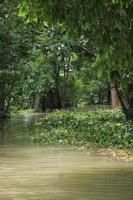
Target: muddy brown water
(57, 173)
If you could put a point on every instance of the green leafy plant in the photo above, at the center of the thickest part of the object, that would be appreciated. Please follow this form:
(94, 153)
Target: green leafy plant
(100, 127)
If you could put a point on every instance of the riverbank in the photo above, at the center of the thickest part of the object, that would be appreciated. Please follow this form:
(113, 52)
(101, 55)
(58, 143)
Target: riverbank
(101, 130)
(113, 154)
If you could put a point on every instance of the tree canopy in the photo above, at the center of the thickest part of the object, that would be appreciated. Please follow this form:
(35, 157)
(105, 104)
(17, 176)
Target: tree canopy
(58, 53)
(111, 21)
(73, 11)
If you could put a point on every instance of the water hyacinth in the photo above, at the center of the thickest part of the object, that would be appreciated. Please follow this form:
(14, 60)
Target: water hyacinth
(100, 127)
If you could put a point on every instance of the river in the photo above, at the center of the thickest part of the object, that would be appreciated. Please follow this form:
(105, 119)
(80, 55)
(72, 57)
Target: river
(57, 173)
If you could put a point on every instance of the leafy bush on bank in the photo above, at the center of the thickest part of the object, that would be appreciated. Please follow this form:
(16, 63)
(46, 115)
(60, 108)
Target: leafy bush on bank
(103, 128)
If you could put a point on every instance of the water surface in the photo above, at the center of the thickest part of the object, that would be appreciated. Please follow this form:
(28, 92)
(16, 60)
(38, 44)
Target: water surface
(50, 173)
(16, 129)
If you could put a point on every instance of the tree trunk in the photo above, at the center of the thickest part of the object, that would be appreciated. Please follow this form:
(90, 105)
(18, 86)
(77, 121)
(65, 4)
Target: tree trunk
(58, 102)
(1, 104)
(130, 101)
(3, 110)
(114, 96)
(108, 95)
(127, 111)
(52, 100)
(37, 103)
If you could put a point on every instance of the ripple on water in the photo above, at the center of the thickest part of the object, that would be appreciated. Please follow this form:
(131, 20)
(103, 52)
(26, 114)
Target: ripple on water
(62, 174)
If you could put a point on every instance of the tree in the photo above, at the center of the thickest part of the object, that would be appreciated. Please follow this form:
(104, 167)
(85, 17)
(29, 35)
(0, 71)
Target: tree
(49, 75)
(13, 47)
(112, 22)
(56, 46)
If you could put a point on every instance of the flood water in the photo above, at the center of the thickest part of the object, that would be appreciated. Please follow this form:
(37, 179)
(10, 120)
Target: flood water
(15, 130)
(50, 173)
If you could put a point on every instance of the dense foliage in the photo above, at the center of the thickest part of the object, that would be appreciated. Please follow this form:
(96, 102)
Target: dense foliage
(48, 68)
(111, 22)
(15, 38)
(61, 54)
(100, 127)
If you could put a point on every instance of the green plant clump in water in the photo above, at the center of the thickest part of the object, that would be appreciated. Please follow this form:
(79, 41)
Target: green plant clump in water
(100, 127)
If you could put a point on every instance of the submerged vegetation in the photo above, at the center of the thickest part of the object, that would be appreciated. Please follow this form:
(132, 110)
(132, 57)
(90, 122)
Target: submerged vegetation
(99, 127)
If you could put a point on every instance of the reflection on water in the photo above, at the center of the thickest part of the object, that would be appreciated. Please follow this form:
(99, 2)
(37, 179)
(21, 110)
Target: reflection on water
(15, 130)
(62, 174)
(41, 173)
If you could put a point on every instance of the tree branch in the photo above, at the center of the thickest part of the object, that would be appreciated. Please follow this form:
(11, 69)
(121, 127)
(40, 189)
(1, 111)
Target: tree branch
(83, 48)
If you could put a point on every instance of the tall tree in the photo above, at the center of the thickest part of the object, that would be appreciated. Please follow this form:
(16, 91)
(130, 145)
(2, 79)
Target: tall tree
(112, 22)
(13, 47)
